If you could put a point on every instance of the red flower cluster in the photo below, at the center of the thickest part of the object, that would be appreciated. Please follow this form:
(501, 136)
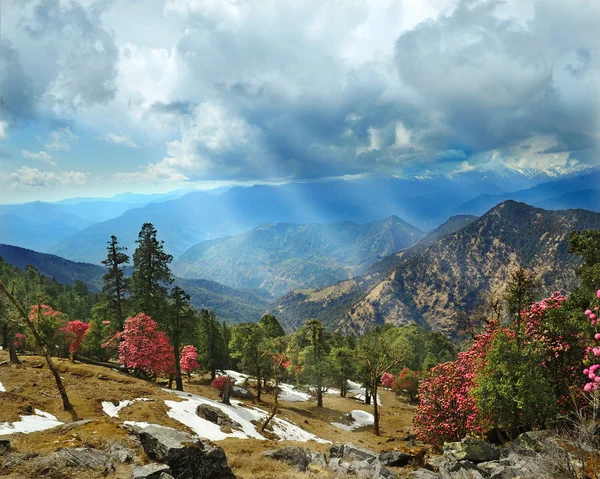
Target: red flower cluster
(219, 384)
(388, 380)
(592, 372)
(75, 332)
(142, 346)
(189, 359)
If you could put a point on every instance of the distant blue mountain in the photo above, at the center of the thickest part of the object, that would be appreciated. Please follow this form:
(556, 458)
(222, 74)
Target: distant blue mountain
(423, 202)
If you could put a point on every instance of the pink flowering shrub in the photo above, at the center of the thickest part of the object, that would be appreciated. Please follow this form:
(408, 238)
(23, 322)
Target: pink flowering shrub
(219, 384)
(189, 359)
(19, 341)
(592, 372)
(407, 384)
(75, 331)
(144, 348)
(388, 380)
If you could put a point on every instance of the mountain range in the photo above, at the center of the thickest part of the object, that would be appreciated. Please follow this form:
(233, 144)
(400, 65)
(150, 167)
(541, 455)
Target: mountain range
(77, 228)
(279, 257)
(431, 282)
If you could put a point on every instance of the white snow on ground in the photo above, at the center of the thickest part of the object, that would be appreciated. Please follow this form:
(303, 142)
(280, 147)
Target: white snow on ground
(38, 422)
(358, 392)
(185, 413)
(239, 378)
(139, 424)
(113, 410)
(2, 388)
(360, 419)
(289, 393)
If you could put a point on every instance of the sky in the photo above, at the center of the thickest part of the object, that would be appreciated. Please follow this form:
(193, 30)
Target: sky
(101, 97)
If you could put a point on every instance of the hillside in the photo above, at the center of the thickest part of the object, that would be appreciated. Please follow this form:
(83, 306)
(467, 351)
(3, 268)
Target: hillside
(281, 257)
(430, 285)
(229, 304)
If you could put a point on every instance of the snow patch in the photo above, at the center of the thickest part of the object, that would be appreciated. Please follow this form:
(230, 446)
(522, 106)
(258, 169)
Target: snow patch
(2, 388)
(359, 419)
(246, 417)
(113, 410)
(238, 378)
(40, 421)
(358, 392)
(289, 393)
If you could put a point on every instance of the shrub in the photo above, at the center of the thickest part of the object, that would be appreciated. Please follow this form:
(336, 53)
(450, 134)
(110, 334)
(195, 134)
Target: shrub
(407, 384)
(219, 384)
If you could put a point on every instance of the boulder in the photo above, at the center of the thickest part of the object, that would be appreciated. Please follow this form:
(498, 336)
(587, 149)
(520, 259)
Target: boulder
(240, 392)
(218, 417)
(471, 449)
(75, 424)
(395, 458)
(434, 463)
(82, 457)
(424, 474)
(4, 446)
(369, 469)
(151, 471)
(462, 470)
(353, 453)
(318, 459)
(292, 455)
(120, 453)
(336, 451)
(528, 444)
(187, 456)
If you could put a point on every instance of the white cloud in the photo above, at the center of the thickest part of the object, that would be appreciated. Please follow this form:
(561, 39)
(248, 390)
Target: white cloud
(61, 139)
(122, 139)
(40, 156)
(26, 177)
(3, 130)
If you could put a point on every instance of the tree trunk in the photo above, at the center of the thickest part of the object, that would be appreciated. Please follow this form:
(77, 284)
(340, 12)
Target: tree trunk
(367, 395)
(320, 392)
(226, 392)
(178, 380)
(343, 388)
(258, 386)
(59, 384)
(375, 411)
(12, 352)
(273, 409)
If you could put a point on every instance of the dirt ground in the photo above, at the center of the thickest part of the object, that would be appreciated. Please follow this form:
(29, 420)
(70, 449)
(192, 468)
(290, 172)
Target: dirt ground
(32, 385)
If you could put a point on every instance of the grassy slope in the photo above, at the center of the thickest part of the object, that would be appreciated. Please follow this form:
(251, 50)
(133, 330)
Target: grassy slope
(89, 385)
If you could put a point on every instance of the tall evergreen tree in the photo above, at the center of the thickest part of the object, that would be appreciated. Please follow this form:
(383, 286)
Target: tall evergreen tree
(151, 273)
(115, 286)
(179, 322)
(212, 348)
(521, 290)
(250, 344)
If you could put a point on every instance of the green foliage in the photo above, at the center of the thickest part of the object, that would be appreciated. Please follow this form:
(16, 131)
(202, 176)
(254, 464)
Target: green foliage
(428, 348)
(271, 326)
(211, 342)
(250, 345)
(115, 287)
(587, 245)
(151, 273)
(513, 391)
(521, 290)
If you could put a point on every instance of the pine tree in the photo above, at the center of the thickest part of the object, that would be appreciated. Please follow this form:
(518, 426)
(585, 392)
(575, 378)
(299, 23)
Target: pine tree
(211, 343)
(115, 286)
(179, 322)
(151, 273)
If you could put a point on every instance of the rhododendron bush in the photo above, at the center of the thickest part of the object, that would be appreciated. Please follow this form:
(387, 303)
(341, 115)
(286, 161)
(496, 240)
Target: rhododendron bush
(592, 371)
(512, 378)
(219, 384)
(75, 331)
(189, 359)
(388, 380)
(144, 348)
(407, 384)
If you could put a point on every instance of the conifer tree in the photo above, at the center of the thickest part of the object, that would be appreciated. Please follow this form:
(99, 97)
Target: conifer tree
(179, 321)
(211, 343)
(114, 280)
(151, 273)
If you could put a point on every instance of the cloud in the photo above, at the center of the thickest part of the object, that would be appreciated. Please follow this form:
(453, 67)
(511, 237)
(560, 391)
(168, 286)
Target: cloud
(40, 156)
(124, 140)
(3, 130)
(31, 178)
(16, 87)
(61, 139)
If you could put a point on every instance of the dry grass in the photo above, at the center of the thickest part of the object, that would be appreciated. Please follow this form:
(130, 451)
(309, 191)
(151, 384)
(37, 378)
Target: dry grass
(89, 385)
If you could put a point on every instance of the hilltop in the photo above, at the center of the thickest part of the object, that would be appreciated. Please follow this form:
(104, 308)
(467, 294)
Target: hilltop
(430, 285)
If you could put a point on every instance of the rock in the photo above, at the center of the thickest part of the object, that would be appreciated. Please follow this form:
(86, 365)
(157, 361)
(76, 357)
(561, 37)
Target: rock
(4, 446)
(82, 457)
(74, 424)
(164, 475)
(120, 453)
(217, 416)
(292, 455)
(353, 453)
(424, 474)
(434, 462)
(151, 471)
(318, 459)
(471, 449)
(336, 451)
(528, 444)
(240, 392)
(394, 458)
(462, 470)
(370, 468)
(187, 456)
